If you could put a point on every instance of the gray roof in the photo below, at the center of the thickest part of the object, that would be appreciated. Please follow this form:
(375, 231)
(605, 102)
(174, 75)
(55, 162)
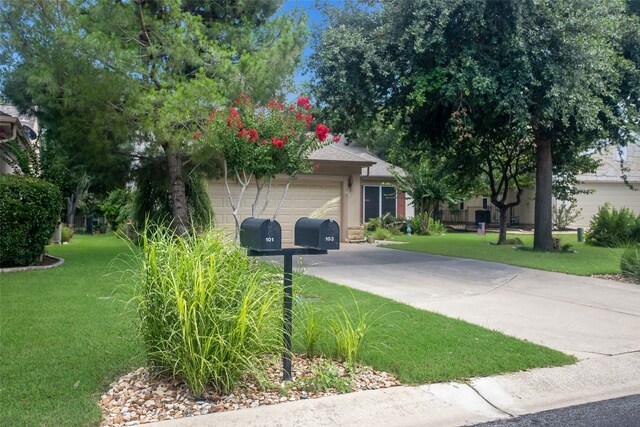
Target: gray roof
(337, 153)
(25, 119)
(379, 168)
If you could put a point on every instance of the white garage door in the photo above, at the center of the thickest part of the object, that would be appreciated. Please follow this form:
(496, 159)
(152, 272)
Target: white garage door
(618, 195)
(301, 200)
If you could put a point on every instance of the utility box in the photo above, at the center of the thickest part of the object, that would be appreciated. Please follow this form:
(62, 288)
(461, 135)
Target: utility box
(323, 234)
(261, 234)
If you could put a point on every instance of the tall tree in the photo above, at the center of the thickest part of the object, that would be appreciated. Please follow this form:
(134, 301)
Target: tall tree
(551, 69)
(167, 62)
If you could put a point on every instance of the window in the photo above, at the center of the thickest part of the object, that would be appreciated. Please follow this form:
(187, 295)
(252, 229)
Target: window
(378, 201)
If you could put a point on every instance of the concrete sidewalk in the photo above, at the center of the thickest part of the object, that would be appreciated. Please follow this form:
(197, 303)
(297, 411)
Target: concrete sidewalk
(596, 320)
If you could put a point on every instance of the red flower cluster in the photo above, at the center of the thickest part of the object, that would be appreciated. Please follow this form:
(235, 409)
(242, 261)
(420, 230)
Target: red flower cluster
(251, 134)
(277, 143)
(275, 104)
(322, 131)
(304, 102)
(233, 119)
(336, 138)
(197, 135)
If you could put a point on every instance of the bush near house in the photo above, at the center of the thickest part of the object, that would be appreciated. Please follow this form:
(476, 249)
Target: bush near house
(29, 211)
(613, 228)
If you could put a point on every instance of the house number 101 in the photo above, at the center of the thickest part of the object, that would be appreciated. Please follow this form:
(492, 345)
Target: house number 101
(269, 239)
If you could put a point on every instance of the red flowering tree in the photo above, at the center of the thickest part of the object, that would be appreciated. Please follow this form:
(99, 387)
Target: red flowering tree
(258, 142)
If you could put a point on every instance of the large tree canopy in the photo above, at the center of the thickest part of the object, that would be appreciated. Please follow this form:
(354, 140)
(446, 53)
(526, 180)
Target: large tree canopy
(562, 74)
(106, 73)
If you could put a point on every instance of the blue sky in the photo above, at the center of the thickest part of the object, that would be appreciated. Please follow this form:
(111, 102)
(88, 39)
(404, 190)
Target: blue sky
(315, 19)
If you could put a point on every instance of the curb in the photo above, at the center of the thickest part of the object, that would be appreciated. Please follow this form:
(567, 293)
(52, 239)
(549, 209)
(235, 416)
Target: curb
(59, 262)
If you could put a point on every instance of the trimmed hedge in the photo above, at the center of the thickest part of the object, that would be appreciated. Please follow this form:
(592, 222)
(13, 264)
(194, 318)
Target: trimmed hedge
(29, 211)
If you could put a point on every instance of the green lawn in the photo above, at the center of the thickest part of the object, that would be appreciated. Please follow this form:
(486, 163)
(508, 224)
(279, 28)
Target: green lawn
(64, 336)
(423, 347)
(586, 260)
(66, 333)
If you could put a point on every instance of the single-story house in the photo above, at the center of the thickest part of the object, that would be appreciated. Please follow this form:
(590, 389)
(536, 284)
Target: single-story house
(348, 173)
(14, 126)
(606, 185)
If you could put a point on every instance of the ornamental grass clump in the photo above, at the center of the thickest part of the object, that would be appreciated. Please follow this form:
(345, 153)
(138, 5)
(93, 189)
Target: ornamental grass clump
(630, 263)
(207, 313)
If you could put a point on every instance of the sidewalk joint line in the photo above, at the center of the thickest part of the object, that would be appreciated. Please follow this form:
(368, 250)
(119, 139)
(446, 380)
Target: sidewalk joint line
(486, 400)
(574, 303)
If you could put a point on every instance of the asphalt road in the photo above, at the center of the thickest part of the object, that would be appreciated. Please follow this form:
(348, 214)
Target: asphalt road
(621, 412)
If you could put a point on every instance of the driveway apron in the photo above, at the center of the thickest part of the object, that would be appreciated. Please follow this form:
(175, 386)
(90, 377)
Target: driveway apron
(583, 316)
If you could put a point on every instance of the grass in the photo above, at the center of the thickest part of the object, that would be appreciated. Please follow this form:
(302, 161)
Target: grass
(66, 334)
(586, 260)
(420, 346)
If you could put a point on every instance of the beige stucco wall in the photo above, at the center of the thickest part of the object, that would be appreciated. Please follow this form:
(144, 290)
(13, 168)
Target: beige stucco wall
(608, 186)
(305, 194)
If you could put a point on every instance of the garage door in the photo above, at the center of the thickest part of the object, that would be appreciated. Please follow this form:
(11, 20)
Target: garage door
(619, 195)
(301, 200)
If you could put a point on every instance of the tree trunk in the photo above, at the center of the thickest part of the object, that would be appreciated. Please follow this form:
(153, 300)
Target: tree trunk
(502, 236)
(542, 238)
(177, 191)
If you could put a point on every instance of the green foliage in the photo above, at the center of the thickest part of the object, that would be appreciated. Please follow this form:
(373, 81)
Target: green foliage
(558, 76)
(613, 228)
(435, 227)
(66, 234)
(207, 313)
(117, 207)
(382, 234)
(106, 74)
(309, 327)
(152, 198)
(429, 183)
(349, 329)
(630, 263)
(29, 211)
(325, 377)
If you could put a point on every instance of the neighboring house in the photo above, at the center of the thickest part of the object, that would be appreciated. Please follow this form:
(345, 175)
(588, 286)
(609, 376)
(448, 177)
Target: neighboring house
(349, 173)
(606, 186)
(14, 127)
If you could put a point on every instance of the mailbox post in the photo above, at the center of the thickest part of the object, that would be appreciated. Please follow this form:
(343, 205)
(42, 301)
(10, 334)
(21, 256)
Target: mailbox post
(263, 237)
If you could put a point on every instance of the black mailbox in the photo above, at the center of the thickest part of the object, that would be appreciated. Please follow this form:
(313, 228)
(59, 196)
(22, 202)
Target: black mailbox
(317, 233)
(261, 234)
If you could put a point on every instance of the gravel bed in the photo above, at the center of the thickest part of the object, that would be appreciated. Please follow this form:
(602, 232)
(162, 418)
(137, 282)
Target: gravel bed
(615, 277)
(139, 398)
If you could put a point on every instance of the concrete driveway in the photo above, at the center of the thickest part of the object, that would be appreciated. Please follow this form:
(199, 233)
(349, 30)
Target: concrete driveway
(578, 315)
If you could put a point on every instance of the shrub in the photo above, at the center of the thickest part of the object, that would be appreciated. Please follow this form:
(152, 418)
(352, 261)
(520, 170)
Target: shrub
(117, 207)
(435, 227)
(29, 212)
(564, 214)
(630, 263)
(613, 228)
(67, 234)
(382, 234)
(207, 313)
